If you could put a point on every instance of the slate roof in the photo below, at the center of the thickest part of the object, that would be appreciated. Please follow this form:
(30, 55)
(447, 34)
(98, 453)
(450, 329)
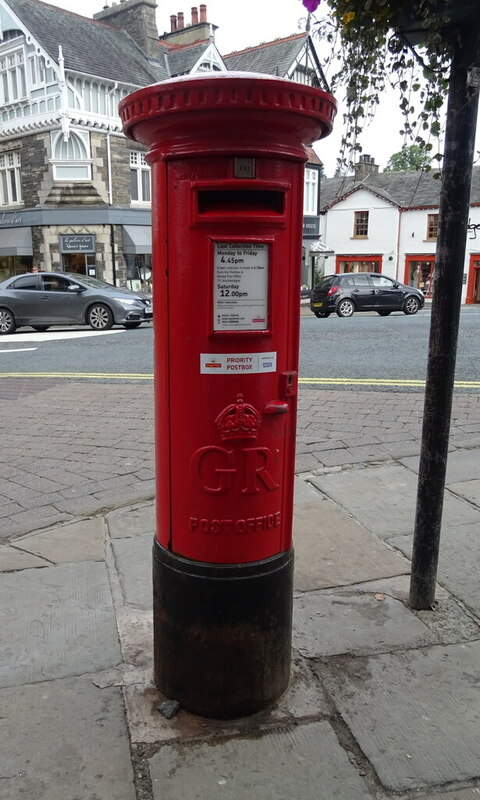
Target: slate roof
(182, 59)
(405, 189)
(269, 58)
(88, 45)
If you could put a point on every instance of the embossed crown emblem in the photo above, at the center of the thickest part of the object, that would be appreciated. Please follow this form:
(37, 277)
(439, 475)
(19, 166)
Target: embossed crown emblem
(239, 420)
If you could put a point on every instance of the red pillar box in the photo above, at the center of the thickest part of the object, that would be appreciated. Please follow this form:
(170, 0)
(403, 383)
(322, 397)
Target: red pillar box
(227, 161)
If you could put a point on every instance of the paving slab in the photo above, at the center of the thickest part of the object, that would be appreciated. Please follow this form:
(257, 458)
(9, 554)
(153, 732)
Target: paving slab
(349, 622)
(13, 560)
(56, 622)
(462, 465)
(133, 558)
(304, 492)
(332, 549)
(415, 715)
(469, 490)
(383, 498)
(458, 560)
(131, 521)
(64, 739)
(457, 794)
(79, 541)
(276, 765)
(305, 698)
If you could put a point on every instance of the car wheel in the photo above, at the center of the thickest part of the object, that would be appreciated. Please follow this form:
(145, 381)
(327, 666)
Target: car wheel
(130, 325)
(40, 328)
(7, 322)
(99, 317)
(384, 313)
(322, 314)
(345, 308)
(412, 304)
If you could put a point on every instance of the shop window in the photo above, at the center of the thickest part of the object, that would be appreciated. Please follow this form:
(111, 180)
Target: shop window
(420, 275)
(71, 161)
(360, 225)
(10, 187)
(139, 177)
(432, 226)
(359, 264)
(310, 195)
(139, 272)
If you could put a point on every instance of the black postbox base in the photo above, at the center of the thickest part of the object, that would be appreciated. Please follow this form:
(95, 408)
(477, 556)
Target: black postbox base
(222, 633)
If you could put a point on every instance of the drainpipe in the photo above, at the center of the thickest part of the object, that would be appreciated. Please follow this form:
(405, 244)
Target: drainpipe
(110, 181)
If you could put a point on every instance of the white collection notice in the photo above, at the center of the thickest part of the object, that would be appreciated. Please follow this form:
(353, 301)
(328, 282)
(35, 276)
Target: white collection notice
(240, 287)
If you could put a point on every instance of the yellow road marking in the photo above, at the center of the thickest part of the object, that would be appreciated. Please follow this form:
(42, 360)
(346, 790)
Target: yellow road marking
(381, 382)
(138, 376)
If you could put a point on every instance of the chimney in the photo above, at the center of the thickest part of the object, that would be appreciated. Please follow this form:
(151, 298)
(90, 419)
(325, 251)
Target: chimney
(183, 33)
(366, 166)
(173, 22)
(137, 18)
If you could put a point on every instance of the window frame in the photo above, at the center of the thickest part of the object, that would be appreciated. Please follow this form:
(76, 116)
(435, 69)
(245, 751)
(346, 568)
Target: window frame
(139, 169)
(432, 227)
(82, 166)
(311, 192)
(10, 179)
(361, 221)
(13, 76)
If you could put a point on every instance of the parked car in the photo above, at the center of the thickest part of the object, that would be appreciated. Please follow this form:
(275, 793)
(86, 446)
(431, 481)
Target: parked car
(363, 291)
(43, 299)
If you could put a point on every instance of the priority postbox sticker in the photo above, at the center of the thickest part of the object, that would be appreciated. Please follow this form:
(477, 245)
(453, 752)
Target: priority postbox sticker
(237, 363)
(240, 286)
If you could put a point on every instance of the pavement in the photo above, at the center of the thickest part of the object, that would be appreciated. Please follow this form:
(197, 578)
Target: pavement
(384, 702)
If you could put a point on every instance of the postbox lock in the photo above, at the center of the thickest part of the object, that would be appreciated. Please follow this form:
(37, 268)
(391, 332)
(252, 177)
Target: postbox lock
(289, 383)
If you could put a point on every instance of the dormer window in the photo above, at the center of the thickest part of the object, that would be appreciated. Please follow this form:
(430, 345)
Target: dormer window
(7, 36)
(208, 66)
(71, 157)
(12, 77)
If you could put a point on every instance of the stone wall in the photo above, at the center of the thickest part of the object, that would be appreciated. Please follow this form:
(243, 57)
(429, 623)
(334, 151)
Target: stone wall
(35, 169)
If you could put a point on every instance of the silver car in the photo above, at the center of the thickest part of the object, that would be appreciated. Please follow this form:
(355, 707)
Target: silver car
(43, 299)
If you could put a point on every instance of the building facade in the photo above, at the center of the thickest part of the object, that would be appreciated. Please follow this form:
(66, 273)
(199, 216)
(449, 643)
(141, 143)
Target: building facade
(388, 222)
(74, 192)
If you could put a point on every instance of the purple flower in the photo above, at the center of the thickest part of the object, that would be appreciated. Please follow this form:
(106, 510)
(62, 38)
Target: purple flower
(311, 5)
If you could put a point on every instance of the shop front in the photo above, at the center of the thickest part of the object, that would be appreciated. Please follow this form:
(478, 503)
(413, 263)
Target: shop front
(473, 283)
(419, 272)
(77, 253)
(358, 263)
(16, 251)
(137, 251)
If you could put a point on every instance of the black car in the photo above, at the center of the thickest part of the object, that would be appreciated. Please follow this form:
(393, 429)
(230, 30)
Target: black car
(363, 291)
(43, 299)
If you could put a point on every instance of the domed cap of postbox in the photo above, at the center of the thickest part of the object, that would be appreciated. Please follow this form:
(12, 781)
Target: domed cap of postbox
(235, 111)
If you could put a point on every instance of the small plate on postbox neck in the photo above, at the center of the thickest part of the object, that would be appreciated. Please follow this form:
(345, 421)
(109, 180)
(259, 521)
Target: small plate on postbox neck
(244, 167)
